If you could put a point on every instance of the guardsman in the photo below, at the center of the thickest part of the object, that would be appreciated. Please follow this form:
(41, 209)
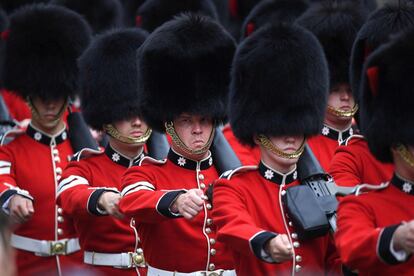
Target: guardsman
(335, 24)
(353, 163)
(249, 206)
(89, 188)
(183, 77)
(375, 228)
(265, 12)
(43, 44)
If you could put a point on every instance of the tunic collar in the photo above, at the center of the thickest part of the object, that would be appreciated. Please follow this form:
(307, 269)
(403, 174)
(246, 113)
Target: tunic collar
(277, 177)
(190, 164)
(402, 184)
(121, 159)
(45, 138)
(337, 135)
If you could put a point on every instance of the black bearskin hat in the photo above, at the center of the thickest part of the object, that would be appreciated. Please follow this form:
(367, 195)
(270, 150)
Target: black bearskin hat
(101, 15)
(240, 9)
(279, 84)
(367, 5)
(108, 77)
(11, 5)
(42, 47)
(130, 8)
(380, 26)
(387, 96)
(184, 66)
(273, 12)
(336, 25)
(154, 13)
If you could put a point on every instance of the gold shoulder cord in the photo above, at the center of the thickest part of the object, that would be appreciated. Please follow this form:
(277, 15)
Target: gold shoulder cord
(341, 113)
(114, 133)
(265, 142)
(169, 128)
(405, 154)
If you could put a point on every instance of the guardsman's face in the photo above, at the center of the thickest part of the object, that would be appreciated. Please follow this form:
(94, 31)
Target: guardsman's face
(193, 130)
(48, 111)
(402, 167)
(341, 98)
(134, 127)
(288, 144)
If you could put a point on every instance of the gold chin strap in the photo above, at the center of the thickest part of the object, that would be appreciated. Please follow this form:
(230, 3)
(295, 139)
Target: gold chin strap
(35, 113)
(405, 154)
(169, 128)
(114, 133)
(342, 113)
(267, 144)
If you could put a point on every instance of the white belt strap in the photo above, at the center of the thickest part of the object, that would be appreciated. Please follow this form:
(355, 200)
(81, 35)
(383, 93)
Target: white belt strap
(45, 248)
(152, 271)
(118, 260)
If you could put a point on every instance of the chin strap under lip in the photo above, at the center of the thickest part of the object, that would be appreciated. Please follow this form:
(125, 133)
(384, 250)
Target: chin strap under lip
(169, 128)
(114, 133)
(342, 113)
(267, 144)
(405, 154)
(36, 115)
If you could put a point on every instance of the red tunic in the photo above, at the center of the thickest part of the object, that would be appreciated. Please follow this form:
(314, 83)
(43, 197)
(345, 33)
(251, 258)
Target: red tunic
(171, 242)
(34, 162)
(248, 212)
(81, 186)
(247, 155)
(366, 224)
(325, 144)
(353, 164)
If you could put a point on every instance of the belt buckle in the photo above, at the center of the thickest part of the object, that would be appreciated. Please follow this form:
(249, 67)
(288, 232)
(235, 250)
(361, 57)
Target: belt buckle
(218, 272)
(58, 247)
(137, 259)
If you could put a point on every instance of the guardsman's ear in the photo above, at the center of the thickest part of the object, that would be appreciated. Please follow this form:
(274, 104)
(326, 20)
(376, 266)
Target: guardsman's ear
(256, 140)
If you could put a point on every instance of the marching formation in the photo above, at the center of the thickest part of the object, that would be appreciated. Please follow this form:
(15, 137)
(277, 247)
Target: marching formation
(206, 137)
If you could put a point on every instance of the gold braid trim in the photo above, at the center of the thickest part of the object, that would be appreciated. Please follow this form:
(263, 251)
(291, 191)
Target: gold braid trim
(267, 144)
(169, 128)
(405, 154)
(114, 133)
(342, 113)
(36, 115)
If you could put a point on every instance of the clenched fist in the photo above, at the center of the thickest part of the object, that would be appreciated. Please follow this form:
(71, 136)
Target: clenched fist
(21, 209)
(109, 201)
(279, 248)
(404, 237)
(189, 204)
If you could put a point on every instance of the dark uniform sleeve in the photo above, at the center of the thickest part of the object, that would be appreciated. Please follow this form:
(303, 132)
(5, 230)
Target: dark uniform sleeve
(235, 225)
(75, 194)
(360, 243)
(142, 199)
(8, 185)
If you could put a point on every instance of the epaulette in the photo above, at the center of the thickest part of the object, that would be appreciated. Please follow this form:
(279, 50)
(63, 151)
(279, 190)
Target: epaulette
(362, 188)
(11, 134)
(150, 160)
(229, 174)
(352, 137)
(85, 153)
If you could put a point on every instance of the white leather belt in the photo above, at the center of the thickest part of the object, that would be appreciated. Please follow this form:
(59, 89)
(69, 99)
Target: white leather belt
(117, 260)
(45, 248)
(152, 271)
